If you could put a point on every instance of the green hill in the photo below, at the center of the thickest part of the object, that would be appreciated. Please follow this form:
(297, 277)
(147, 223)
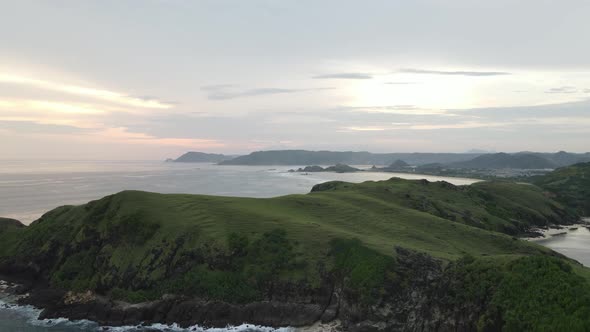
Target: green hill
(346, 251)
(9, 224)
(569, 185)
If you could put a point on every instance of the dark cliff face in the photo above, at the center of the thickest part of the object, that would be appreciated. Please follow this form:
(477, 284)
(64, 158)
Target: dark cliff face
(365, 290)
(416, 298)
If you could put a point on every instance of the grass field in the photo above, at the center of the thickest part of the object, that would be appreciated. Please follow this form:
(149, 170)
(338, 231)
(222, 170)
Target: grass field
(435, 218)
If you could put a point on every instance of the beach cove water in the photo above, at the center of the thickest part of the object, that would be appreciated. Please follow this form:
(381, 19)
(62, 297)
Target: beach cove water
(573, 243)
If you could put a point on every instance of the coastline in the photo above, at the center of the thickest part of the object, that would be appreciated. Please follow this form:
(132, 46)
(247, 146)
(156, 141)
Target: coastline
(11, 300)
(554, 230)
(34, 316)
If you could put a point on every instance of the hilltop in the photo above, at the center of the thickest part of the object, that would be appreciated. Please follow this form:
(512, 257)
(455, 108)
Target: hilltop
(9, 224)
(429, 250)
(569, 185)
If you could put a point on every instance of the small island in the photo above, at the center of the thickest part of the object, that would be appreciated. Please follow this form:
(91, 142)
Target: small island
(338, 168)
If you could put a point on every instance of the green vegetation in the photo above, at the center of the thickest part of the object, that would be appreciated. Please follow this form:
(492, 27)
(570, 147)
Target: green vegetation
(569, 185)
(505, 207)
(9, 224)
(363, 270)
(535, 293)
(138, 246)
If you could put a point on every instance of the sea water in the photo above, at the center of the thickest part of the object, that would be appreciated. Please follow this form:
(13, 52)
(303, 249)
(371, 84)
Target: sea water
(571, 243)
(30, 188)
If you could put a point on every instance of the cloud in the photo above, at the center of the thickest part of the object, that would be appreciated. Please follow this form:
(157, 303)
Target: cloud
(123, 135)
(225, 92)
(216, 87)
(563, 89)
(398, 109)
(461, 125)
(362, 128)
(346, 76)
(400, 83)
(453, 73)
(586, 90)
(105, 95)
(49, 120)
(423, 126)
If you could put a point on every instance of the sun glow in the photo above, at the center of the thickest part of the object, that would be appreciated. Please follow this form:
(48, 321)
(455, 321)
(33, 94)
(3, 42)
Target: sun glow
(420, 91)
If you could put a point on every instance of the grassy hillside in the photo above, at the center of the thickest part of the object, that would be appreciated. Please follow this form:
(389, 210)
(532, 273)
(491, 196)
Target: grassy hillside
(138, 246)
(9, 224)
(569, 185)
(499, 206)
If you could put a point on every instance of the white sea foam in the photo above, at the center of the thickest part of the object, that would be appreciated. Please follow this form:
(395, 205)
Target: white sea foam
(30, 314)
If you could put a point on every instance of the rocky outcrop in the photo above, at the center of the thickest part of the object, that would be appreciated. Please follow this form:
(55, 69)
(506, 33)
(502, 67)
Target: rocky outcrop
(416, 300)
(185, 312)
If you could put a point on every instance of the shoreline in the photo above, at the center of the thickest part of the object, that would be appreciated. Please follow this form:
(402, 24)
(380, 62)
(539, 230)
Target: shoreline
(33, 312)
(554, 230)
(33, 315)
(51, 308)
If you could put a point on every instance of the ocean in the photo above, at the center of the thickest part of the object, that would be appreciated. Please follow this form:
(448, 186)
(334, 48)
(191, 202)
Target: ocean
(30, 188)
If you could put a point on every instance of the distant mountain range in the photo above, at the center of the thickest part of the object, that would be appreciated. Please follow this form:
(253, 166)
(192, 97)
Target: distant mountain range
(523, 160)
(304, 157)
(505, 160)
(520, 160)
(201, 157)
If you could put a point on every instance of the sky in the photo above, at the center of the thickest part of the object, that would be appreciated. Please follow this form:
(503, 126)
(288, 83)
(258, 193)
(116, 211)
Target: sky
(120, 79)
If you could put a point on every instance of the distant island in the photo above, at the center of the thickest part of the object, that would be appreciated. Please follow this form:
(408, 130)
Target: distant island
(398, 161)
(474, 165)
(201, 157)
(379, 255)
(338, 168)
(303, 157)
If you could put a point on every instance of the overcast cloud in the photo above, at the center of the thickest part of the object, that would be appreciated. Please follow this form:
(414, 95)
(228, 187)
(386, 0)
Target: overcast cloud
(118, 79)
